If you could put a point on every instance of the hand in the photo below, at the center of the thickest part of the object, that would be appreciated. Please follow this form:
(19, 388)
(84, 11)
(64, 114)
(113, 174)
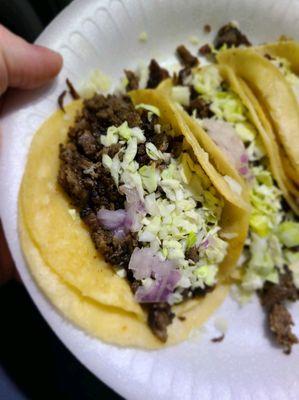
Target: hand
(24, 66)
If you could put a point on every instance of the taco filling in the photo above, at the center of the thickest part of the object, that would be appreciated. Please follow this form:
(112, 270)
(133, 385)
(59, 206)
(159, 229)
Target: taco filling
(270, 256)
(150, 209)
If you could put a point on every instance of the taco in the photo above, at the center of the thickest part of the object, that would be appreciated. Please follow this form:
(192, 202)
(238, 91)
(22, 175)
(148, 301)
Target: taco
(127, 227)
(270, 72)
(221, 110)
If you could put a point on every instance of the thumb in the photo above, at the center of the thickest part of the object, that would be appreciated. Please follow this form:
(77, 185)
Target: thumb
(24, 65)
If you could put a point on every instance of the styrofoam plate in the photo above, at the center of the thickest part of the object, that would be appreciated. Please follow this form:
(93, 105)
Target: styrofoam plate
(104, 34)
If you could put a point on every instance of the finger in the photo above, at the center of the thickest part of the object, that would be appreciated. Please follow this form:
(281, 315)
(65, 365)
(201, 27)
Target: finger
(24, 65)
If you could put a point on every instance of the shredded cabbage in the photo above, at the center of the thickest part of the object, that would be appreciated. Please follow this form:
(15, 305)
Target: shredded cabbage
(186, 216)
(153, 152)
(288, 233)
(149, 178)
(207, 81)
(149, 107)
(273, 233)
(228, 106)
(285, 68)
(181, 94)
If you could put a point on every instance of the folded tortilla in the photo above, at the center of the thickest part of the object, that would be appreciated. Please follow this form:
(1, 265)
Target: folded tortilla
(65, 264)
(277, 100)
(258, 118)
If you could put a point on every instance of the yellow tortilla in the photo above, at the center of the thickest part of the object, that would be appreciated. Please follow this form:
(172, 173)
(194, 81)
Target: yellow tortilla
(274, 94)
(105, 322)
(216, 157)
(204, 154)
(65, 264)
(263, 127)
(288, 49)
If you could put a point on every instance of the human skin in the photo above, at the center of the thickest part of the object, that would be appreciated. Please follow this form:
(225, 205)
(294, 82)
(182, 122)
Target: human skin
(24, 66)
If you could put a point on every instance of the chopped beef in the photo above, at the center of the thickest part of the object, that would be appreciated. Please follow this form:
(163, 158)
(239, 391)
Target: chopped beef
(278, 293)
(148, 124)
(159, 317)
(141, 157)
(218, 339)
(115, 251)
(193, 93)
(231, 36)
(200, 292)
(112, 150)
(157, 74)
(201, 107)
(111, 110)
(133, 80)
(273, 298)
(72, 90)
(134, 284)
(161, 141)
(175, 146)
(184, 73)
(280, 322)
(192, 254)
(207, 28)
(88, 144)
(60, 100)
(269, 57)
(186, 58)
(71, 176)
(79, 177)
(90, 218)
(205, 50)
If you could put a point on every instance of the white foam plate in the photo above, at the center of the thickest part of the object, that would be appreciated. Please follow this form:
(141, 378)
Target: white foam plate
(104, 34)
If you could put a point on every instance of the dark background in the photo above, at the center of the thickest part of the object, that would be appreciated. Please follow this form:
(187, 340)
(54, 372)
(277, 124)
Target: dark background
(34, 364)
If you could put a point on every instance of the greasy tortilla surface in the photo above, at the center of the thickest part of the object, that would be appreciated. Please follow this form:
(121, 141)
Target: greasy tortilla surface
(66, 266)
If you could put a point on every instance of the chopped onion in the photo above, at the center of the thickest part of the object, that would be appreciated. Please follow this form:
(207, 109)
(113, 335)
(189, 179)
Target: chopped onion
(118, 221)
(244, 158)
(225, 136)
(145, 263)
(160, 289)
(134, 207)
(244, 170)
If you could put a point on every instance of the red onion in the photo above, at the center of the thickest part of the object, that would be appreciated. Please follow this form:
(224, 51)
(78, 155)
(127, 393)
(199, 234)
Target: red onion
(225, 136)
(112, 219)
(160, 289)
(145, 263)
(244, 171)
(134, 207)
(205, 244)
(244, 158)
(141, 263)
(118, 221)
